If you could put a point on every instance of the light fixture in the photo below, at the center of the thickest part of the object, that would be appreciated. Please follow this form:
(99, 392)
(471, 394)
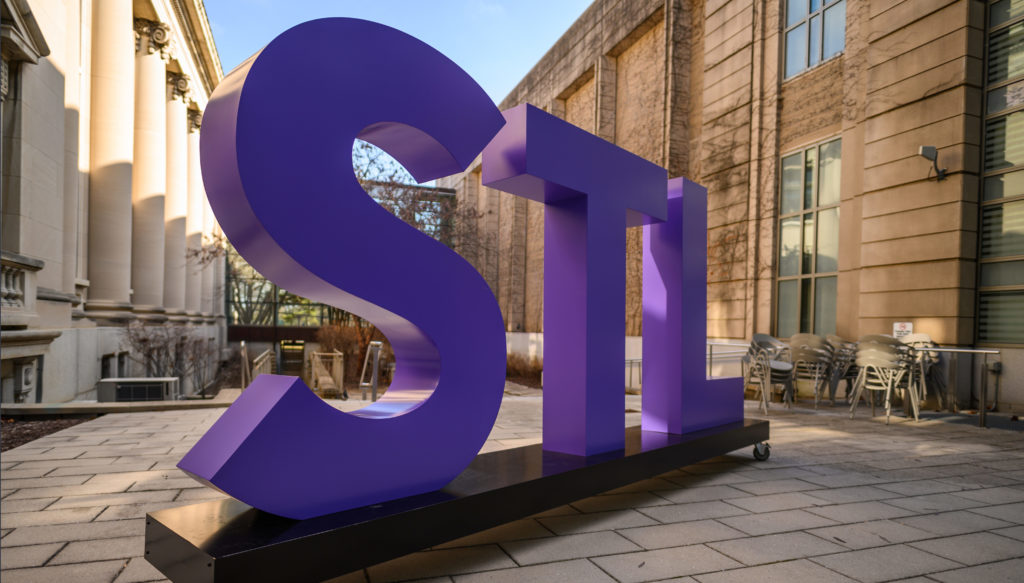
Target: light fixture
(932, 153)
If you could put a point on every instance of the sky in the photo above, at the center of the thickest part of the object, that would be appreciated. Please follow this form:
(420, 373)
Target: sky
(496, 41)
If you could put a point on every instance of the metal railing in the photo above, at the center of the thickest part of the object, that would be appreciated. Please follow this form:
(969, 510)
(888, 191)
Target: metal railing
(740, 349)
(328, 372)
(263, 364)
(634, 366)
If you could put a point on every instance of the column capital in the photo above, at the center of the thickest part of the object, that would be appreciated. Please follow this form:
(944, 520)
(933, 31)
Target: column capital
(177, 86)
(195, 120)
(152, 36)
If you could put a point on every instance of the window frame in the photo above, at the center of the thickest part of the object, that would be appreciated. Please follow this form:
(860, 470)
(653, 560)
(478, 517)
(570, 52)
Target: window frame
(987, 119)
(806, 20)
(815, 209)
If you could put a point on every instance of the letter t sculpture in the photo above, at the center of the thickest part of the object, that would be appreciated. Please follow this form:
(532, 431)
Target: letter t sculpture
(592, 190)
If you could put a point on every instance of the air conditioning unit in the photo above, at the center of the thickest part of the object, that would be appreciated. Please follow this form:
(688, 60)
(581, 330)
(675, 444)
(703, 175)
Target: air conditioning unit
(138, 389)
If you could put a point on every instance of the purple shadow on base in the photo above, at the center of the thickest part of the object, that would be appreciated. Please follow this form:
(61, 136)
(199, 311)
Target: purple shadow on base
(276, 148)
(677, 395)
(592, 190)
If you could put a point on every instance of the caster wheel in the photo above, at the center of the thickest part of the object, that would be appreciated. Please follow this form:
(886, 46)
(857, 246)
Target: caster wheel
(762, 451)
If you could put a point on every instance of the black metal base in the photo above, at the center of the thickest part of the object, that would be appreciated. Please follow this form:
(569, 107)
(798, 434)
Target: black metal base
(226, 540)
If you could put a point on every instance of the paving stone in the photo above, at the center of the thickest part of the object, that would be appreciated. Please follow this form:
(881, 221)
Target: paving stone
(138, 570)
(773, 522)
(63, 516)
(775, 547)
(702, 494)
(56, 465)
(442, 562)
(994, 495)
(125, 511)
(973, 549)
(104, 468)
(845, 480)
(22, 473)
(951, 523)
(30, 535)
(518, 530)
(802, 571)
(851, 494)
(19, 454)
(1015, 532)
(664, 563)
(63, 491)
(680, 534)
(53, 481)
(79, 572)
(97, 550)
(885, 563)
(765, 475)
(980, 481)
(692, 511)
(876, 533)
(113, 499)
(934, 503)
(775, 502)
(574, 546)
(1002, 572)
(776, 486)
(1009, 512)
(28, 556)
(596, 521)
(26, 505)
(577, 570)
(618, 501)
(860, 511)
(921, 487)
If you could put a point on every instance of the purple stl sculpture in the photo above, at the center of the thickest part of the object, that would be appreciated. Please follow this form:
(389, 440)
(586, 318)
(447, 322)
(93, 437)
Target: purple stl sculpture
(592, 190)
(279, 177)
(678, 397)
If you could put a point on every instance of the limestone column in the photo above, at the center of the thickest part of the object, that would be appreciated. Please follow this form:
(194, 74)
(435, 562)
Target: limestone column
(176, 200)
(112, 97)
(206, 297)
(194, 222)
(149, 178)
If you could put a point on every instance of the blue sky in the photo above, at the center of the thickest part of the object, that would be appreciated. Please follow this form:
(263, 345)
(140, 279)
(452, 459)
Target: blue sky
(495, 41)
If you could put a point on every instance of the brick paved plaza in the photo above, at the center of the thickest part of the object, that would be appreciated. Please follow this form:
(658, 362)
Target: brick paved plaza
(839, 500)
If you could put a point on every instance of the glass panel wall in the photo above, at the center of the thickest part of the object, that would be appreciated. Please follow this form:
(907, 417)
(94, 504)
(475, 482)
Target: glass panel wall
(1001, 246)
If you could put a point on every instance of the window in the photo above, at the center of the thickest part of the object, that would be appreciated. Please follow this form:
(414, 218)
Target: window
(815, 32)
(1001, 278)
(808, 263)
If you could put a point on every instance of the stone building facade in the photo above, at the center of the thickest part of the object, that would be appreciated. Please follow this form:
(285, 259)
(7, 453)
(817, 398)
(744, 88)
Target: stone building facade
(804, 119)
(102, 193)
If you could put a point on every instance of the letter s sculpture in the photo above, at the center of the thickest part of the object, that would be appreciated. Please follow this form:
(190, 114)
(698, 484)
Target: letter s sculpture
(276, 149)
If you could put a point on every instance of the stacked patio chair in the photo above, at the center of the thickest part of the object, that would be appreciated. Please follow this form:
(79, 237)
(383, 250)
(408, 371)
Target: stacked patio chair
(923, 362)
(768, 364)
(844, 366)
(812, 357)
(885, 364)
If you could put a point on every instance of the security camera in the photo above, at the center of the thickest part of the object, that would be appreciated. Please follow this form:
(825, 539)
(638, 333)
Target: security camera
(931, 153)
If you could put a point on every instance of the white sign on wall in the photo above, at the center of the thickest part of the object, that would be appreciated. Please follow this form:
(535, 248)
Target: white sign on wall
(901, 329)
